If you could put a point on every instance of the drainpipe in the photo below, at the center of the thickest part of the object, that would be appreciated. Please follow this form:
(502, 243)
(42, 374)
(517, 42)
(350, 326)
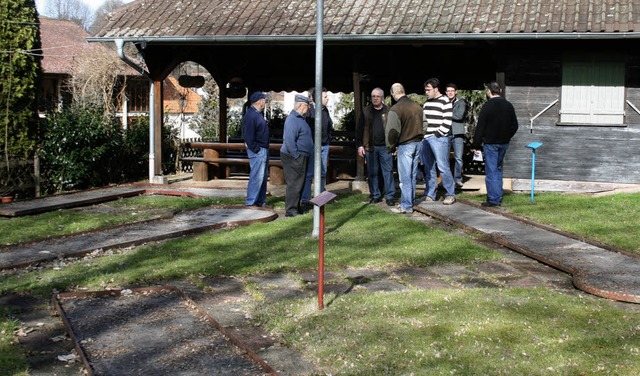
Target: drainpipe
(123, 57)
(152, 115)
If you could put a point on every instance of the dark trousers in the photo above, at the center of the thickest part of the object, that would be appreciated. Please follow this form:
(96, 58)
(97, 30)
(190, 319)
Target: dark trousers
(295, 171)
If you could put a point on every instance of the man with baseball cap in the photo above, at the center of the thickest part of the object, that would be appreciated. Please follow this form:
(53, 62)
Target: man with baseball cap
(297, 147)
(255, 131)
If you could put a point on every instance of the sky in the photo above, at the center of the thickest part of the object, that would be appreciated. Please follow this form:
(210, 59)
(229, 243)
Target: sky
(41, 5)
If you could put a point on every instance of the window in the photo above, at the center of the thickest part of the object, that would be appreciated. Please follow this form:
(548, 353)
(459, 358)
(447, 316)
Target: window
(592, 92)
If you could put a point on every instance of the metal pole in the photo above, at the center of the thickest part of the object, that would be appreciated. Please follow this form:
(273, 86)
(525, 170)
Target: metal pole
(321, 260)
(317, 162)
(152, 135)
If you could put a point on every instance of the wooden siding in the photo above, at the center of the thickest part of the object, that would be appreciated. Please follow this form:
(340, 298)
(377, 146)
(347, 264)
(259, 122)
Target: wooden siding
(580, 153)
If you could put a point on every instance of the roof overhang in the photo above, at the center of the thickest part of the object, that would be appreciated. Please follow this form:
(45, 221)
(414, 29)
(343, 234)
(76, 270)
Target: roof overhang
(365, 39)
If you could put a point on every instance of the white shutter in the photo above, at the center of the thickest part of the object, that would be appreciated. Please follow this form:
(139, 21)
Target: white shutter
(592, 92)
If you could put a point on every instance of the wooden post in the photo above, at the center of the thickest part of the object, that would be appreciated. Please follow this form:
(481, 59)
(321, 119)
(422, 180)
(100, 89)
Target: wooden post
(357, 103)
(223, 114)
(320, 201)
(157, 126)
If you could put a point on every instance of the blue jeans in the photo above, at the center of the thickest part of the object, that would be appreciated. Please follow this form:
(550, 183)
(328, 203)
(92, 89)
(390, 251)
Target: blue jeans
(380, 161)
(435, 151)
(493, 158)
(258, 175)
(306, 191)
(408, 158)
(457, 144)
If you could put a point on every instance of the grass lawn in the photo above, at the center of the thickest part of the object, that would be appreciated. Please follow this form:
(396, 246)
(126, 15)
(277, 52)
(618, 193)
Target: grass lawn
(471, 331)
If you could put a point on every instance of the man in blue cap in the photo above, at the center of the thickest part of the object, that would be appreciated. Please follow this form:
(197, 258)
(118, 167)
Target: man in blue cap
(255, 131)
(297, 147)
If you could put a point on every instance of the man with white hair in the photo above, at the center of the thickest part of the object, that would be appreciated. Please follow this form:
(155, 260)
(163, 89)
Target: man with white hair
(371, 143)
(297, 147)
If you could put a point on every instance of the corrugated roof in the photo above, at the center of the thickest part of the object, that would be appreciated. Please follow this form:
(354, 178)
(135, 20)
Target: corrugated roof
(356, 18)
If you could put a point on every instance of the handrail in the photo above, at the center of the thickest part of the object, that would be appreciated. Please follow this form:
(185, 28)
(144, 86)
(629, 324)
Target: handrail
(632, 106)
(540, 113)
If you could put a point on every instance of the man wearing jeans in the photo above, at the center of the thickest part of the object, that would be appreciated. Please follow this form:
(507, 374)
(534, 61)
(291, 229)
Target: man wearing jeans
(436, 144)
(457, 131)
(256, 139)
(497, 124)
(372, 146)
(403, 134)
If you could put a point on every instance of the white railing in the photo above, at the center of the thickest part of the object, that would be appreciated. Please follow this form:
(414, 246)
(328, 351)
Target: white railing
(632, 106)
(540, 113)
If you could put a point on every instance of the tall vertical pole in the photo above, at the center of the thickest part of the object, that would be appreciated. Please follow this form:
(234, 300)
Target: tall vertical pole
(317, 162)
(152, 135)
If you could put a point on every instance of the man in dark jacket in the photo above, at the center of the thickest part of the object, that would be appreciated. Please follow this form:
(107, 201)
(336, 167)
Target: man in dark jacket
(371, 144)
(404, 134)
(497, 124)
(255, 131)
(297, 146)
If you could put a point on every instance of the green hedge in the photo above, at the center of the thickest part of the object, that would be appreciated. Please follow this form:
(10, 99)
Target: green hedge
(83, 148)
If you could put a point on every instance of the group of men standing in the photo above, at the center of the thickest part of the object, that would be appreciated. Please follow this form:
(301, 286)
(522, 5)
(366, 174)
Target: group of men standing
(426, 134)
(296, 152)
(412, 133)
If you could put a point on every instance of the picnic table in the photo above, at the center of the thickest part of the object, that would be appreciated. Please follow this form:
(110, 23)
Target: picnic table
(218, 157)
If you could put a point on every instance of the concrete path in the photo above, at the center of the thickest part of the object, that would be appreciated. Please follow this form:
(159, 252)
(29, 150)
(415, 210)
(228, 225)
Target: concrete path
(134, 234)
(594, 269)
(93, 196)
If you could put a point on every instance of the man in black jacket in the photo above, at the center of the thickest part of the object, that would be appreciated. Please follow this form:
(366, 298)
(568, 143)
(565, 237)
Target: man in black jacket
(371, 144)
(497, 124)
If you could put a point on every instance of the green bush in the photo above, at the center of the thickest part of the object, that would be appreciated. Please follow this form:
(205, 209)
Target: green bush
(81, 148)
(136, 151)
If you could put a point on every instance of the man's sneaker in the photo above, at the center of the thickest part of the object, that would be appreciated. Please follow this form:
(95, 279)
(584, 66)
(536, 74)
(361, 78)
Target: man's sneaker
(399, 210)
(375, 200)
(428, 199)
(449, 200)
(488, 204)
(391, 202)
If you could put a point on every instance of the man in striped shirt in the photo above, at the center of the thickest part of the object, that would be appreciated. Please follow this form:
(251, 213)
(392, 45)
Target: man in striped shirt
(437, 114)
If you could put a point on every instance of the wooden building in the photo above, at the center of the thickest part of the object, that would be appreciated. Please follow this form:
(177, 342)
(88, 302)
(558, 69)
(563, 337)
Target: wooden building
(577, 59)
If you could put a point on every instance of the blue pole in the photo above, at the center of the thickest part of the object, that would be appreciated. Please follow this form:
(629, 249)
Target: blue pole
(533, 146)
(533, 172)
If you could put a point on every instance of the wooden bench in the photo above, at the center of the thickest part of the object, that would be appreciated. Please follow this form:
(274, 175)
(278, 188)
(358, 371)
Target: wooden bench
(218, 157)
(205, 168)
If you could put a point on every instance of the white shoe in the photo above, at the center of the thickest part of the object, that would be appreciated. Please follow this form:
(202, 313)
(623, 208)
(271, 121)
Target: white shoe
(399, 210)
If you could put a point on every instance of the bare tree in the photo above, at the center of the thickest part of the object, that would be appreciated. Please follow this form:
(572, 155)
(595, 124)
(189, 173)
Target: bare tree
(95, 79)
(70, 10)
(100, 16)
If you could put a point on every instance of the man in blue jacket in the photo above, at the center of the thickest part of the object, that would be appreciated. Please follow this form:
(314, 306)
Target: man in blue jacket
(297, 147)
(256, 139)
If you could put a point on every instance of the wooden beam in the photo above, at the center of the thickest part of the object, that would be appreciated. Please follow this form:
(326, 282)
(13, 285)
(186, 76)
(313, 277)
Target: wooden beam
(157, 127)
(357, 102)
